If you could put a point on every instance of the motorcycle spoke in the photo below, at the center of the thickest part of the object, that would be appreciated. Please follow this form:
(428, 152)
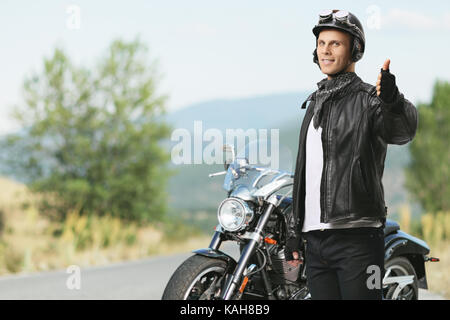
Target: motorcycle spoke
(205, 287)
(210, 290)
(408, 295)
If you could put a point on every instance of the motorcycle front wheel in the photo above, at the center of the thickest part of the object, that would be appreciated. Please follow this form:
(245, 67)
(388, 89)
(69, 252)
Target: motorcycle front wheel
(197, 278)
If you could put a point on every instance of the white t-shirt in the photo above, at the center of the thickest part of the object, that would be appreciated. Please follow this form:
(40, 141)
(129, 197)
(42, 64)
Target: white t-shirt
(313, 176)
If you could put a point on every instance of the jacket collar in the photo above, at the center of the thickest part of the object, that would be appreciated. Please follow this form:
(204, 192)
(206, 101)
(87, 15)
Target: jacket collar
(330, 84)
(337, 95)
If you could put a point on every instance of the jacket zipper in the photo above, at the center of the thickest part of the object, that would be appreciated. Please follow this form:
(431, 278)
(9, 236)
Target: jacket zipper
(325, 213)
(327, 164)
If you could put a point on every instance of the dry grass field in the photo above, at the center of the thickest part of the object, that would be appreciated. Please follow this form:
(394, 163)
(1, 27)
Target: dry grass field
(435, 230)
(29, 242)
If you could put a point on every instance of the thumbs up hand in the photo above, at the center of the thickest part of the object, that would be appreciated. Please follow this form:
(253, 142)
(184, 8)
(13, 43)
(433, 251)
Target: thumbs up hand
(386, 88)
(386, 64)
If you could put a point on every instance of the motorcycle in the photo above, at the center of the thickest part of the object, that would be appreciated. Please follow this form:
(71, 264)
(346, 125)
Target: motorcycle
(256, 215)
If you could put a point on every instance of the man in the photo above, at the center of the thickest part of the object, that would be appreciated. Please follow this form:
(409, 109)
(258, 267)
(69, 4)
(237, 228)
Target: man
(338, 192)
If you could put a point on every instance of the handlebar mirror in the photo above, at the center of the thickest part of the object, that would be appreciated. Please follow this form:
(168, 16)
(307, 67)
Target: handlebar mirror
(229, 155)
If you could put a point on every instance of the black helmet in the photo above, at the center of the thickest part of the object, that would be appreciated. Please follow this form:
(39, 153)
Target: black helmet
(345, 21)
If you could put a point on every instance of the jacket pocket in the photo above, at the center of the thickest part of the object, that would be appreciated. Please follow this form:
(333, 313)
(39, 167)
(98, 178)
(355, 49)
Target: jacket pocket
(361, 179)
(360, 197)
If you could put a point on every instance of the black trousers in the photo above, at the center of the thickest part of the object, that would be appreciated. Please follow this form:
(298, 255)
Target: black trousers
(342, 263)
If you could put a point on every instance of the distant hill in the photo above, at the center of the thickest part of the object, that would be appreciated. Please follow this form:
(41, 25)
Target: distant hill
(255, 112)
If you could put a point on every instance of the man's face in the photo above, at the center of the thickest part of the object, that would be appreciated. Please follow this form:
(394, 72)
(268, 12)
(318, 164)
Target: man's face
(333, 50)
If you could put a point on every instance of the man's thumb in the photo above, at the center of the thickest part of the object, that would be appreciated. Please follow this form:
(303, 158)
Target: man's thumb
(386, 64)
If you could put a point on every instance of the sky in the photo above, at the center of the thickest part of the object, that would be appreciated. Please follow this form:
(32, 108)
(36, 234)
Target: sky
(210, 49)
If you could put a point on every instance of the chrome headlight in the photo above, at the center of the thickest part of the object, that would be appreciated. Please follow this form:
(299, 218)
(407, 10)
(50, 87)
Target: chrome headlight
(234, 214)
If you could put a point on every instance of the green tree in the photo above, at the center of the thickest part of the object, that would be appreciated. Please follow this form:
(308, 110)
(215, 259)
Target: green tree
(428, 174)
(92, 138)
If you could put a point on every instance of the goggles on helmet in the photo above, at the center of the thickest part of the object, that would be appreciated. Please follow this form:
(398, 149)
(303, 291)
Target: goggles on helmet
(341, 16)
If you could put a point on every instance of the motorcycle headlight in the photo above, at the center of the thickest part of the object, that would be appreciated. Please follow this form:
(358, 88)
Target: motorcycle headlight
(234, 214)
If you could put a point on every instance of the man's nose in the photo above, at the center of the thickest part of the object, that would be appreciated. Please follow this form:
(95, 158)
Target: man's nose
(325, 50)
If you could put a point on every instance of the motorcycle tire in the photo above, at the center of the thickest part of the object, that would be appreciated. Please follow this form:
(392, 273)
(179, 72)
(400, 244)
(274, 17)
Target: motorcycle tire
(401, 266)
(193, 276)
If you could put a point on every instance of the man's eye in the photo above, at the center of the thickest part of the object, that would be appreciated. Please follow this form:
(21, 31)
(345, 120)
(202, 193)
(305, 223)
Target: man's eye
(336, 44)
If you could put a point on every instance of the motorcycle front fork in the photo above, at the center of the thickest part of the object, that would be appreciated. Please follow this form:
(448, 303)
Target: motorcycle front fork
(233, 281)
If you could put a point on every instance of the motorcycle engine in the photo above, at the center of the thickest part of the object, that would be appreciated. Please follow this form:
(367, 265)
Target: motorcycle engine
(283, 272)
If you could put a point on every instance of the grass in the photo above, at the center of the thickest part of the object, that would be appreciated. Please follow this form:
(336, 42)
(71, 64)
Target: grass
(438, 276)
(30, 243)
(434, 229)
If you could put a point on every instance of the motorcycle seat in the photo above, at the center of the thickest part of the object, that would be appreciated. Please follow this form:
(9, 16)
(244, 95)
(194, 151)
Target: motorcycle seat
(391, 227)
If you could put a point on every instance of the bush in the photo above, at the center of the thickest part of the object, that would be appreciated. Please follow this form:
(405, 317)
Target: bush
(86, 231)
(91, 137)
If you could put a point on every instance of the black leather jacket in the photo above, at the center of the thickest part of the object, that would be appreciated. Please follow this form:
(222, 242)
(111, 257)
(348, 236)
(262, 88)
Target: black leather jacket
(357, 126)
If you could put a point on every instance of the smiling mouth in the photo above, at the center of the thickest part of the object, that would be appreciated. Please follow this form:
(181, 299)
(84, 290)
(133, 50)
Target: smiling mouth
(327, 61)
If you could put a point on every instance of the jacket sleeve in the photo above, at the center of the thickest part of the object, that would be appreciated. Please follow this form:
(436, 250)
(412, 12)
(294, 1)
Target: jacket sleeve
(396, 122)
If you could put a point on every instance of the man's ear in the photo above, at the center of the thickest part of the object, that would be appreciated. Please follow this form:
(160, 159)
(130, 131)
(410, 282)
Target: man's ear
(356, 49)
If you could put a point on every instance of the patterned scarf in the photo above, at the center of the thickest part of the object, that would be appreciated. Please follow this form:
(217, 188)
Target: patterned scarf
(326, 89)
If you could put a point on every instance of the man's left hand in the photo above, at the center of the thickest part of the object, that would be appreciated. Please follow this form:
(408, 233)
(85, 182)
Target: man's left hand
(296, 260)
(386, 87)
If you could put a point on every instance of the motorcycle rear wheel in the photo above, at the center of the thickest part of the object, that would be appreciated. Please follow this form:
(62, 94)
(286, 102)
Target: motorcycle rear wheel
(401, 266)
(194, 277)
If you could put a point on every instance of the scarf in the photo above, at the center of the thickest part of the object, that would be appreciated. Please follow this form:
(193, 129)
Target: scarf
(326, 89)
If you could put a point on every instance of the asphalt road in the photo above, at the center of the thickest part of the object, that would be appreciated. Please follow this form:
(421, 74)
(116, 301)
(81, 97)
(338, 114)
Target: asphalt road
(142, 279)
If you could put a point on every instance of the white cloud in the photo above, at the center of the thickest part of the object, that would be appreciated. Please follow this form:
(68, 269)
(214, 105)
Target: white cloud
(412, 20)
